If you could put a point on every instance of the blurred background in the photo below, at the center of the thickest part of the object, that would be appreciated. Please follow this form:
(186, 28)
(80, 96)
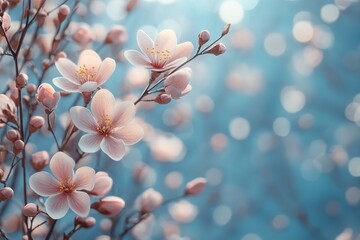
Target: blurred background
(272, 124)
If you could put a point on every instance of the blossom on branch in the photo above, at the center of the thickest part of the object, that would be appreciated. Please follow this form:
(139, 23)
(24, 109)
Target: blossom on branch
(162, 55)
(63, 191)
(177, 84)
(89, 74)
(109, 125)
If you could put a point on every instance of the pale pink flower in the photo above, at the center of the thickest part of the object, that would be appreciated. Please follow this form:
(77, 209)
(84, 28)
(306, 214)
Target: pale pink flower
(109, 125)
(177, 84)
(103, 184)
(161, 55)
(63, 190)
(90, 72)
(47, 97)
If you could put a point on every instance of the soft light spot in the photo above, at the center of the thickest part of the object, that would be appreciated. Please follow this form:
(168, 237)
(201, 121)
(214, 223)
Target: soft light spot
(353, 196)
(329, 13)
(231, 12)
(222, 215)
(249, 4)
(292, 99)
(354, 166)
(303, 31)
(239, 128)
(116, 10)
(275, 44)
(213, 176)
(251, 236)
(281, 127)
(280, 222)
(173, 180)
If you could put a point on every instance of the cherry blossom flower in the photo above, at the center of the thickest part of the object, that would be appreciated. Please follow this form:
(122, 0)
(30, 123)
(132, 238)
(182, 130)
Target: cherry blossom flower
(109, 125)
(177, 84)
(7, 109)
(63, 190)
(161, 55)
(47, 97)
(90, 72)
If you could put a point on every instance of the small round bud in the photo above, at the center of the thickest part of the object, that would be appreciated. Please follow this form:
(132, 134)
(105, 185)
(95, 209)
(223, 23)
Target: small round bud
(47, 97)
(41, 16)
(195, 186)
(46, 64)
(163, 98)
(18, 146)
(63, 12)
(6, 193)
(21, 80)
(30, 210)
(218, 49)
(116, 35)
(35, 123)
(4, 6)
(61, 54)
(13, 135)
(85, 222)
(31, 88)
(226, 30)
(204, 37)
(39, 160)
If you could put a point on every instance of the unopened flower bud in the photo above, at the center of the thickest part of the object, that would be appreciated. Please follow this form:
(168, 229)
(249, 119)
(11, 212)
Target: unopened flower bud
(116, 35)
(21, 80)
(63, 12)
(204, 37)
(103, 184)
(195, 186)
(163, 98)
(109, 206)
(150, 200)
(6, 193)
(13, 135)
(39, 160)
(61, 54)
(41, 16)
(47, 97)
(218, 49)
(4, 6)
(226, 30)
(30, 210)
(46, 64)
(18, 146)
(35, 123)
(85, 222)
(31, 88)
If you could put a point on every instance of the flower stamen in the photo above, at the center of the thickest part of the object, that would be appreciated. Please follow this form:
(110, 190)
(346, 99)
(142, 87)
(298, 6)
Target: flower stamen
(105, 125)
(86, 74)
(66, 186)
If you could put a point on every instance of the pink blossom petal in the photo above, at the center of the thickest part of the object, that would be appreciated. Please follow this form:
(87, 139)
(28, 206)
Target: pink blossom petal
(88, 87)
(174, 92)
(90, 59)
(186, 90)
(65, 84)
(90, 143)
(130, 134)
(102, 104)
(43, 184)
(136, 58)
(179, 79)
(68, 69)
(166, 40)
(106, 69)
(83, 119)
(57, 206)
(114, 148)
(79, 202)
(183, 50)
(145, 43)
(62, 166)
(174, 63)
(84, 178)
(124, 112)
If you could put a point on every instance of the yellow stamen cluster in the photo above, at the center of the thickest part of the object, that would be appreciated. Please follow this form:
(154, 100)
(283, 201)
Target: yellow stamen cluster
(162, 55)
(105, 125)
(86, 74)
(66, 186)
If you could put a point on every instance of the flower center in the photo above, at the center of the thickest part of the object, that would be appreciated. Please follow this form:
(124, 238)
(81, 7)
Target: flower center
(105, 125)
(86, 74)
(66, 186)
(160, 56)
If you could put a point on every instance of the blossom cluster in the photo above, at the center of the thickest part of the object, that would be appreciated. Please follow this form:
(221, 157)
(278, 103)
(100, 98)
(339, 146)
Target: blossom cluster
(103, 124)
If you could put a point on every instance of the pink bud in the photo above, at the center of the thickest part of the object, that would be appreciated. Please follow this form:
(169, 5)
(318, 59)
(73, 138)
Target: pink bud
(116, 35)
(47, 97)
(83, 35)
(19, 145)
(35, 123)
(13, 135)
(30, 210)
(6, 193)
(226, 30)
(39, 160)
(150, 200)
(195, 186)
(6, 23)
(85, 222)
(31, 88)
(218, 49)
(61, 54)
(109, 206)
(103, 184)
(41, 16)
(21, 80)
(131, 5)
(63, 12)
(163, 98)
(204, 37)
